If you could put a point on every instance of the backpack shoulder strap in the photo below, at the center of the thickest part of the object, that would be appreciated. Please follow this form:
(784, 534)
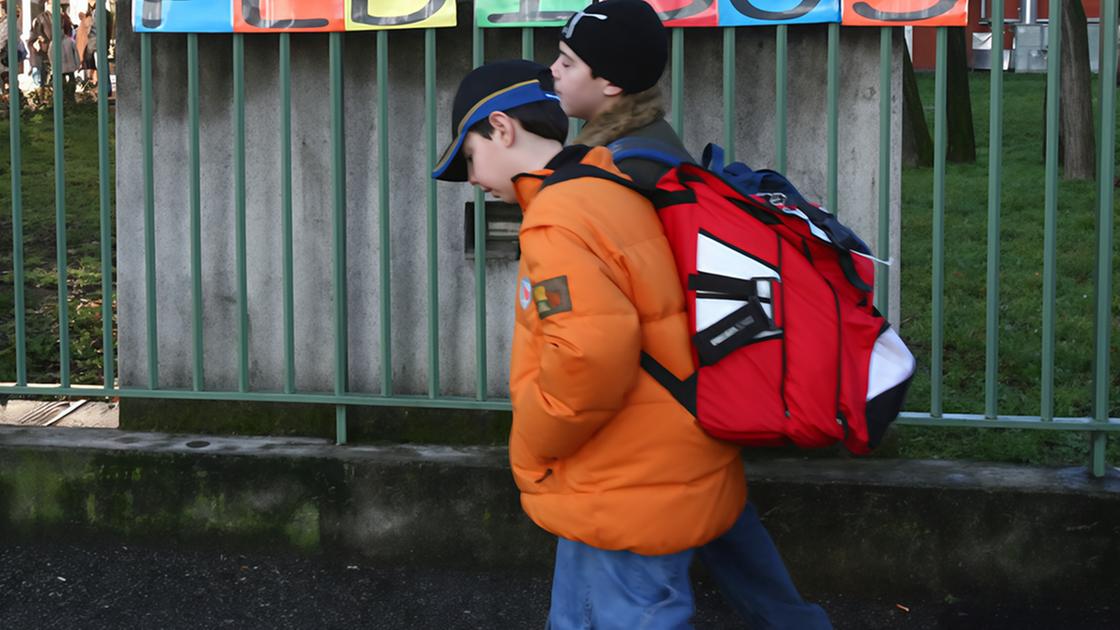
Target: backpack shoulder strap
(577, 171)
(636, 147)
(659, 198)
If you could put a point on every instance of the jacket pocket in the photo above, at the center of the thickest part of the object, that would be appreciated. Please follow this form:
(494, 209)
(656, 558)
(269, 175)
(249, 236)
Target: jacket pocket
(532, 474)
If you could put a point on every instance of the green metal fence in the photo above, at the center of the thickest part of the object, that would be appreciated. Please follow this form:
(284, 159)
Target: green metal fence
(1098, 425)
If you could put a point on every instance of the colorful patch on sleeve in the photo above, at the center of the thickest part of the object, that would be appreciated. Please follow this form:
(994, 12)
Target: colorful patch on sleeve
(525, 293)
(551, 297)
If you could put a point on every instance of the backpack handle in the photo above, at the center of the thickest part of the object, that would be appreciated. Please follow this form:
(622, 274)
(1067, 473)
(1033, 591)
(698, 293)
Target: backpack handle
(713, 158)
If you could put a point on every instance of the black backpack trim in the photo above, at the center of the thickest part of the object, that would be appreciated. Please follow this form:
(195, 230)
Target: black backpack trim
(683, 391)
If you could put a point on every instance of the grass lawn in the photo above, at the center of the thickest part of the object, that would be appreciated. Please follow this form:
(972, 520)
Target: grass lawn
(965, 284)
(1021, 278)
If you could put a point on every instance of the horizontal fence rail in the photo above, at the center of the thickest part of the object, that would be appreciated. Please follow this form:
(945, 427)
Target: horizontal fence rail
(986, 414)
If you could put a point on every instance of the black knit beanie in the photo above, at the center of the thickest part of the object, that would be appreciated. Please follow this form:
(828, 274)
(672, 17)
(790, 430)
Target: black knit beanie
(622, 41)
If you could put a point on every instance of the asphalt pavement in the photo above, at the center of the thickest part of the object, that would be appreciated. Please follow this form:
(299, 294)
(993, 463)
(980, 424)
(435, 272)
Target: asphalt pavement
(94, 585)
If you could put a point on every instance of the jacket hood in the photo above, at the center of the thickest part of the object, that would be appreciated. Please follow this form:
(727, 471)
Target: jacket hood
(631, 112)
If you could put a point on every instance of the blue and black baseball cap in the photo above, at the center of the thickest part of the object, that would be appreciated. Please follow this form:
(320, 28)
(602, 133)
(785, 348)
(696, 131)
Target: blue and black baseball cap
(498, 86)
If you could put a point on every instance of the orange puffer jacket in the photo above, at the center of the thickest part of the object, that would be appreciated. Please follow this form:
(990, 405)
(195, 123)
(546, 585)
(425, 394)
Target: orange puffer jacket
(601, 452)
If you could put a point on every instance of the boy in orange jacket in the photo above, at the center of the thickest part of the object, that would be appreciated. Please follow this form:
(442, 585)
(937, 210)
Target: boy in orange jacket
(604, 457)
(612, 55)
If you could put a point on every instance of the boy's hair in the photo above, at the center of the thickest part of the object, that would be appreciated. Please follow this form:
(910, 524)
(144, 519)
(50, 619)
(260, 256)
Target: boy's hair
(542, 118)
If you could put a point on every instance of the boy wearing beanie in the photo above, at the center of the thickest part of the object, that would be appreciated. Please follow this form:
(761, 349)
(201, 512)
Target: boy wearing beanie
(612, 55)
(604, 457)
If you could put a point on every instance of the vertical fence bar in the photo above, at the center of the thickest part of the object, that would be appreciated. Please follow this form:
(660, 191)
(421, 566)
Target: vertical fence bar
(149, 209)
(882, 273)
(60, 199)
(1050, 214)
(995, 203)
(478, 53)
(239, 201)
(729, 92)
(196, 210)
(939, 142)
(527, 51)
(17, 202)
(385, 264)
(286, 210)
(833, 114)
(433, 212)
(781, 80)
(677, 83)
(1106, 172)
(107, 351)
(338, 186)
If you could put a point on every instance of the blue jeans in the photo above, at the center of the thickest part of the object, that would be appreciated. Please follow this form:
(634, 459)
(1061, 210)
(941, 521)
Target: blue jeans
(595, 589)
(752, 577)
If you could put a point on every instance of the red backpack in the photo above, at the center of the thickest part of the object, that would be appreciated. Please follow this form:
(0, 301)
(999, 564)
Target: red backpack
(789, 346)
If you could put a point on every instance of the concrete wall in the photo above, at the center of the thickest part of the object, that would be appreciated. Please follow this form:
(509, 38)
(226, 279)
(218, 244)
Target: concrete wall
(314, 299)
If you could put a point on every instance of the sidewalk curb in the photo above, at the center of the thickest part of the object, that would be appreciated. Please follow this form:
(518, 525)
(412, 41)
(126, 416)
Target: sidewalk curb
(878, 527)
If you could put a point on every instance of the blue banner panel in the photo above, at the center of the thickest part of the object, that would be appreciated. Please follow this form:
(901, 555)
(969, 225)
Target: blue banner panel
(770, 12)
(182, 16)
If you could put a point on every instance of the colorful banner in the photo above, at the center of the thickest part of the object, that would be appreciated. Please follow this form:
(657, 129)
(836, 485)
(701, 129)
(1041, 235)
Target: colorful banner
(182, 16)
(263, 16)
(254, 16)
(905, 12)
(763, 12)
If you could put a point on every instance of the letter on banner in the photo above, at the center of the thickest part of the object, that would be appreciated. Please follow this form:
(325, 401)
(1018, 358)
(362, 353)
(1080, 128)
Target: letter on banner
(255, 16)
(182, 16)
(760, 12)
(687, 12)
(514, 13)
(521, 13)
(905, 12)
(378, 15)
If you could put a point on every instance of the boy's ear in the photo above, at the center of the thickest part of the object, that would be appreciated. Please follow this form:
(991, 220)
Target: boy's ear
(611, 89)
(505, 129)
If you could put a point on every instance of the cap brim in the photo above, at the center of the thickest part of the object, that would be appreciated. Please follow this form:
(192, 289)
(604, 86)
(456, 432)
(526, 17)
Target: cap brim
(451, 166)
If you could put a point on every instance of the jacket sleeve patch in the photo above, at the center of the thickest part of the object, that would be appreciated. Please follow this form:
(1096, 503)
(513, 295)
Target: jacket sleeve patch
(551, 297)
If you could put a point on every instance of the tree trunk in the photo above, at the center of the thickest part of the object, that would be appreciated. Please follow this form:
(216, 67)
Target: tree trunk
(961, 135)
(917, 145)
(1078, 136)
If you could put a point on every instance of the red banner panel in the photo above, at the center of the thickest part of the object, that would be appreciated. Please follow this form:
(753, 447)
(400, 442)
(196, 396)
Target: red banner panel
(270, 16)
(905, 13)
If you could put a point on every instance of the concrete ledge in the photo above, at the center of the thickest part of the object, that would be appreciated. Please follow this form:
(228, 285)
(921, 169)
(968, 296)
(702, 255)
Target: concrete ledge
(878, 527)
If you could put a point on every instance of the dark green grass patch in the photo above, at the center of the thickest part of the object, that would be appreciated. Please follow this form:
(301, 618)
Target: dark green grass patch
(83, 247)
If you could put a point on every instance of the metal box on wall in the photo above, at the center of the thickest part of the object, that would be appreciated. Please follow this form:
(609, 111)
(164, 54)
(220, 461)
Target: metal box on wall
(1030, 48)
